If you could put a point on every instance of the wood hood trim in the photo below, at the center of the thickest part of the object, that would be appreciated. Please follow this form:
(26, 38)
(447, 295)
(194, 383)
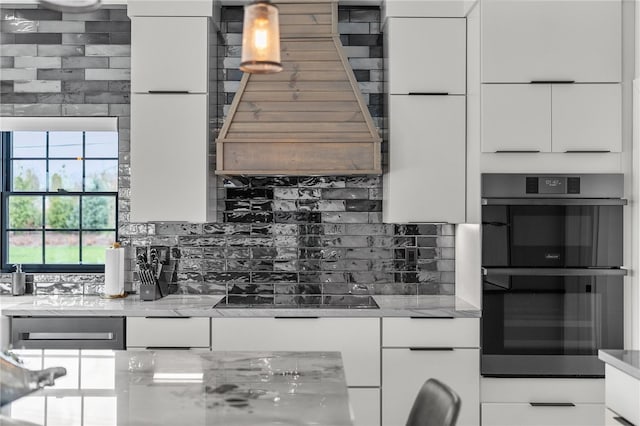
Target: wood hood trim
(311, 118)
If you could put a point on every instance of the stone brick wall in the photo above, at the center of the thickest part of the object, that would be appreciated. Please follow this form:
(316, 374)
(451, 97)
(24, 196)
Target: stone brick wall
(288, 235)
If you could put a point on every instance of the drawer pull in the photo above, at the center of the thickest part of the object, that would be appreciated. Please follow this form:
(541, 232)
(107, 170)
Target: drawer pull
(167, 317)
(168, 92)
(434, 349)
(428, 93)
(587, 151)
(517, 151)
(552, 404)
(623, 421)
(552, 81)
(431, 317)
(172, 348)
(68, 336)
(294, 317)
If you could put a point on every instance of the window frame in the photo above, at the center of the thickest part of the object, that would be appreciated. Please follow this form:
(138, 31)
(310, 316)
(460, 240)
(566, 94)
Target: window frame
(5, 192)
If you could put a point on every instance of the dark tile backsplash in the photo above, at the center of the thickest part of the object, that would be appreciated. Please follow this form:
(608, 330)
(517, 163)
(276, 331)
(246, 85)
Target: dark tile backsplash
(275, 235)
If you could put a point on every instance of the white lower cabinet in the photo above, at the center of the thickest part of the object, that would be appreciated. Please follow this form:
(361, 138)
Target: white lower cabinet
(404, 371)
(525, 414)
(622, 394)
(365, 406)
(358, 339)
(178, 332)
(542, 402)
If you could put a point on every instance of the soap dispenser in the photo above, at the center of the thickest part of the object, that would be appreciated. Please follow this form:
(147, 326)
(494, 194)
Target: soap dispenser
(18, 279)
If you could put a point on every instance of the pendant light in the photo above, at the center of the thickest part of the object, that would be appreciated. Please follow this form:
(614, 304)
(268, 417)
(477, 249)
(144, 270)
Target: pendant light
(71, 6)
(261, 38)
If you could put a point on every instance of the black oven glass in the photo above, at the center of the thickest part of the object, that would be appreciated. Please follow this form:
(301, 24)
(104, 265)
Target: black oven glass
(554, 236)
(543, 322)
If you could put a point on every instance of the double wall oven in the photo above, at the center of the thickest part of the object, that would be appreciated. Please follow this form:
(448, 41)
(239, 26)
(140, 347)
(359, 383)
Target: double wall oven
(553, 278)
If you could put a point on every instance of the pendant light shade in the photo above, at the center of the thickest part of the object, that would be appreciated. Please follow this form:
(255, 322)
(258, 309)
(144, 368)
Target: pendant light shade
(261, 39)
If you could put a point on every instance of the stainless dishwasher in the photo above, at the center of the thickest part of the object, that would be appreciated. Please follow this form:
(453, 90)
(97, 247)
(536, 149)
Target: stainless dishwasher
(68, 332)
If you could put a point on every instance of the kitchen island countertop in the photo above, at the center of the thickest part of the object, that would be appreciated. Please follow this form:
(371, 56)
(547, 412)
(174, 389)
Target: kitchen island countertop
(203, 306)
(627, 361)
(140, 388)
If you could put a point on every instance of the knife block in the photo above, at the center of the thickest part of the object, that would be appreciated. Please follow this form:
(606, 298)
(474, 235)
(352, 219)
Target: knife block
(162, 285)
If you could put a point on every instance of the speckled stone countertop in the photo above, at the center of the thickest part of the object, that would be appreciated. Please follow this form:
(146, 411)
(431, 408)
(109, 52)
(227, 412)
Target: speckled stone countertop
(167, 387)
(627, 361)
(203, 306)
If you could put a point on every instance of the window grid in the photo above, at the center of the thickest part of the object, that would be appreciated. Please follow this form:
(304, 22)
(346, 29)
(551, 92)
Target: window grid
(7, 182)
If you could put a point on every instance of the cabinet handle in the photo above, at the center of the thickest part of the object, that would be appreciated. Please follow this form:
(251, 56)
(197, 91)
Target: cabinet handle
(434, 349)
(552, 404)
(623, 421)
(172, 348)
(552, 81)
(585, 151)
(431, 317)
(294, 317)
(168, 92)
(517, 151)
(428, 93)
(168, 317)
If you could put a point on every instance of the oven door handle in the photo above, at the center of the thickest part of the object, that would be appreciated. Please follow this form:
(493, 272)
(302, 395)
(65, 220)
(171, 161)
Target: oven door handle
(554, 202)
(563, 272)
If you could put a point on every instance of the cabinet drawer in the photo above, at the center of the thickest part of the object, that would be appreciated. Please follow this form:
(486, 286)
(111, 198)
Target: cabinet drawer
(404, 372)
(180, 332)
(365, 406)
(528, 415)
(430, 332)
(584, 391)
(358, 339)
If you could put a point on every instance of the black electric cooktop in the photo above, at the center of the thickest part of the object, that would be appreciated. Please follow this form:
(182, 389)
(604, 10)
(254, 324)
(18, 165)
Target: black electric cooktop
(288, 301)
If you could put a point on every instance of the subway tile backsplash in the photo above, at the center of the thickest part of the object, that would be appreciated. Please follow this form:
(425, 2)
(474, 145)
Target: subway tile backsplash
(274, 235)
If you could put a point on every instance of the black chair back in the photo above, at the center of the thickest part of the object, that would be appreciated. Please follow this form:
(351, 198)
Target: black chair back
(436, 405)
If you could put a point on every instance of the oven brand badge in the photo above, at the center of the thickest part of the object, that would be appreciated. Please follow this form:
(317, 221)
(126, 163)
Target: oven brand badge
(552, 256)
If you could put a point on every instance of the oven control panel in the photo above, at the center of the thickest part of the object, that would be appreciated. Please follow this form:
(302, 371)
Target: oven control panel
(552, 185)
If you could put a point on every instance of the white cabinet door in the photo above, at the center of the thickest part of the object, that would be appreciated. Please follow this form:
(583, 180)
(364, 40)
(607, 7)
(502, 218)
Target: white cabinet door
(586, 117)
(404, 371)
(427, 156)
(169, 54)
(358, 339)
(365, 406)
(169, 158)
(168, 332)
(523, 41)
(516, 117)
(426, 55)
(528, 415)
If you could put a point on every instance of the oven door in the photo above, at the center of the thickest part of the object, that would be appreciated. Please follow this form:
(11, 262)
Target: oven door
(550, 325)
(552, 233)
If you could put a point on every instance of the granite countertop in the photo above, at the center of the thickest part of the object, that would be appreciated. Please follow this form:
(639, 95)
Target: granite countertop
(627, 361)
(203, 306)
(190, 388)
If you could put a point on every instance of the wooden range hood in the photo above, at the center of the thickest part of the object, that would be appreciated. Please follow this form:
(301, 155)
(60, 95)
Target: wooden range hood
(309, 119)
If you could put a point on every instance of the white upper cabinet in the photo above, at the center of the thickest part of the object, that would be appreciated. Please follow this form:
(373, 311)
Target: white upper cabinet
(516, 117)
(551, 118)
(564, 40)
(587, 117)
(169, 158)
(426, 55)
(426, 177)
(169, 54)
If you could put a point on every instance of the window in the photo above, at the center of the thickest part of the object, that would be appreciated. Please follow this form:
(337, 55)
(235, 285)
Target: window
(59, 198)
